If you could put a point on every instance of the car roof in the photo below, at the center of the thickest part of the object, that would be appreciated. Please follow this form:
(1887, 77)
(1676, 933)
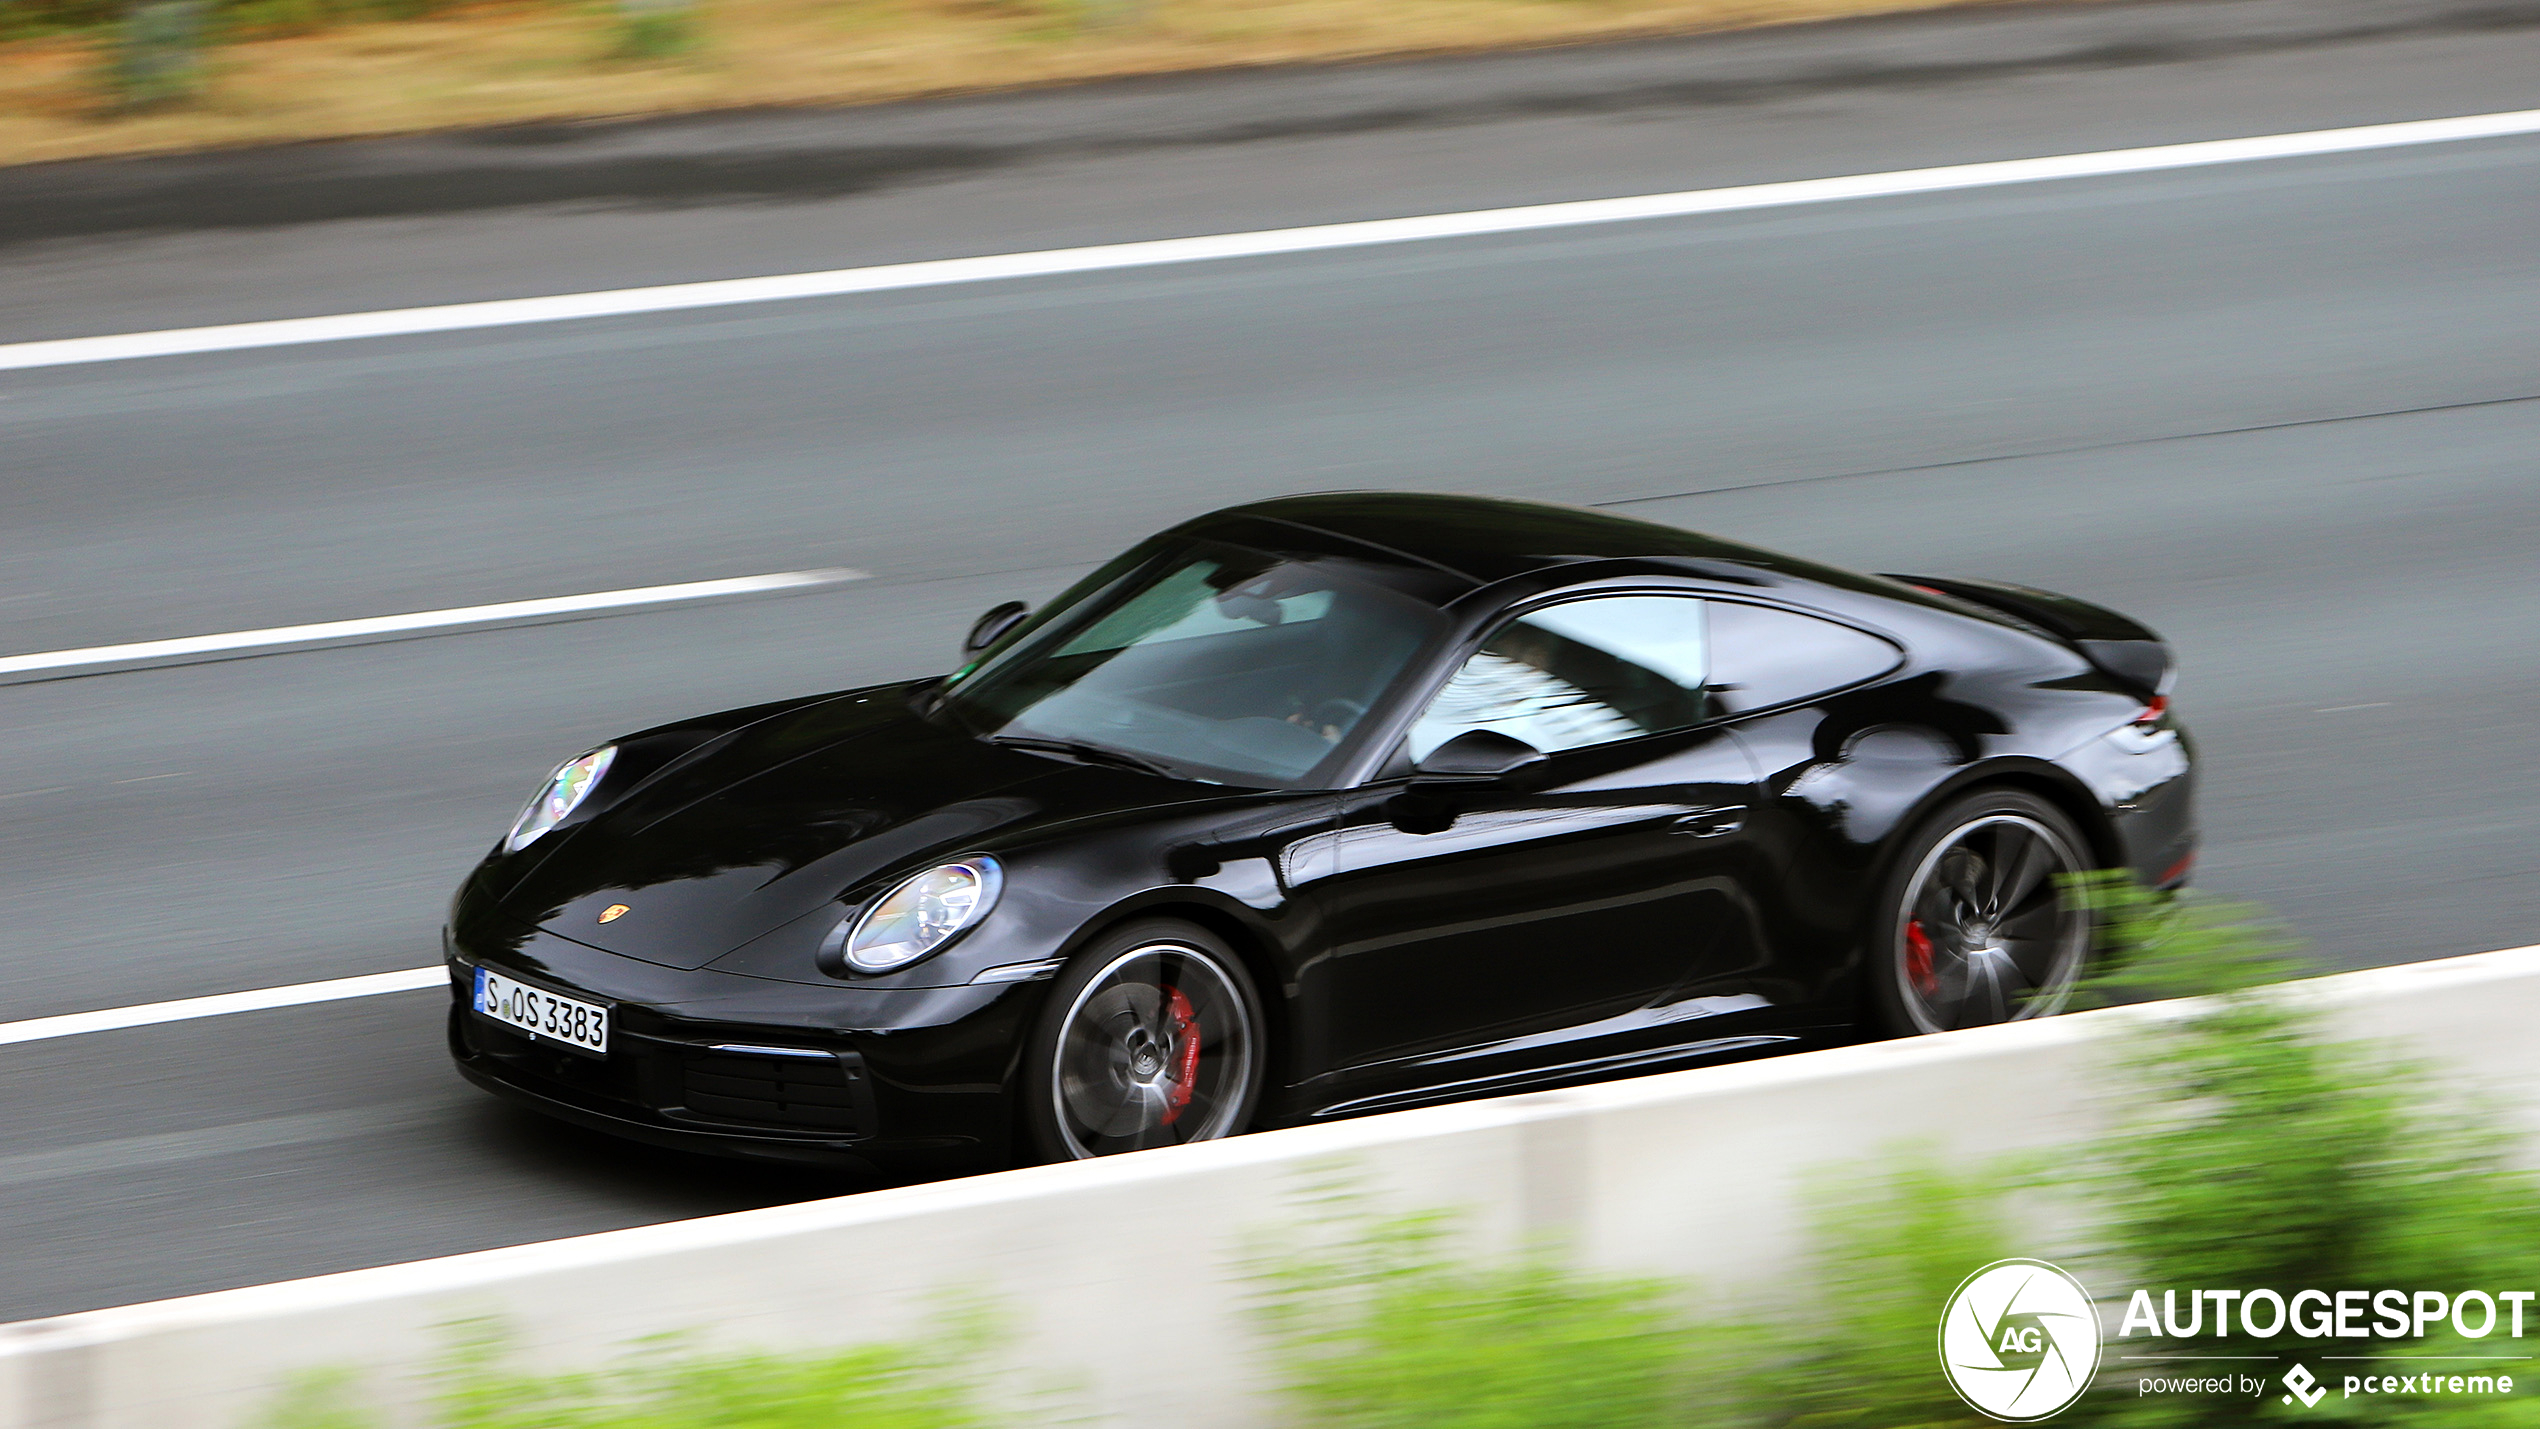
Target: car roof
(1487, 539)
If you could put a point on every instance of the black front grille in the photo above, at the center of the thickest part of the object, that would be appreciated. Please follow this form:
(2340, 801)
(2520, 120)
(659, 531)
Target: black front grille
(816, 1093)
(614, 1078)
(822, 1093)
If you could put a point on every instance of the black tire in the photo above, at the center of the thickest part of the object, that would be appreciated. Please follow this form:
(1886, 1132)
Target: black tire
(1970, 927)
(1151, 1037)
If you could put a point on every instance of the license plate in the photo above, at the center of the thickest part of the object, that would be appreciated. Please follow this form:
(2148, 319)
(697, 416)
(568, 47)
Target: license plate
(543, 1015)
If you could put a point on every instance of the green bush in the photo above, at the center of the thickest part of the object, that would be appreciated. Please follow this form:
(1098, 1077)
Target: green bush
(1856, 1346)
(929, 1383)
(157, 58)
(20, 19)
(2262, 1152)
(2154, 944)
(1389, 1329)
(1388, 1324)
(654, 29)
(2254, 1151)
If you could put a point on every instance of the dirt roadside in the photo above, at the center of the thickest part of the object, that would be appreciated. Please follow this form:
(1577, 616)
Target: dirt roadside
(805, 152)
(501, 62)
(484, 62)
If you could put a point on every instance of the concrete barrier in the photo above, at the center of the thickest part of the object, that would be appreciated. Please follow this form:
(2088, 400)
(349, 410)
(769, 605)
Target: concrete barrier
(1109, 1268)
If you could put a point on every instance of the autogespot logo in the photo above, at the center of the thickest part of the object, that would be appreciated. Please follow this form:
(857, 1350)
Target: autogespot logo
(2019, 1340)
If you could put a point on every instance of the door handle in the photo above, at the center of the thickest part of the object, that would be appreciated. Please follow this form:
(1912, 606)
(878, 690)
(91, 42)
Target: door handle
(1711, 823)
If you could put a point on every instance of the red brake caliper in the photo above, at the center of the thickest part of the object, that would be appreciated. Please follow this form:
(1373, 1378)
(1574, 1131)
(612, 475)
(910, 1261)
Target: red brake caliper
(1186, 1067)
(1918, 958)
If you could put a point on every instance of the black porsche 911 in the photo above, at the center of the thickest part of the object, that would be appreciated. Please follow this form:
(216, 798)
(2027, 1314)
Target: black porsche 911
(1315, 807)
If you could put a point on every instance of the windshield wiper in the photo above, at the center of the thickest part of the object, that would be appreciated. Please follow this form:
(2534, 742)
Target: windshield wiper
(1091, 753)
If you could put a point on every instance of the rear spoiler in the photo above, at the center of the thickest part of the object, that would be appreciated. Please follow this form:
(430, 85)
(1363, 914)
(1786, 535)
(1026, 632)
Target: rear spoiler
(2123, 649)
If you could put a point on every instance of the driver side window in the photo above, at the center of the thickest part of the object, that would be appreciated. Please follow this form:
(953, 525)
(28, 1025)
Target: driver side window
(1579, 673)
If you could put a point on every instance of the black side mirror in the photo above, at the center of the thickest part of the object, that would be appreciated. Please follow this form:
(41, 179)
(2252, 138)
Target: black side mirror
(992, 627)
(1476, 755)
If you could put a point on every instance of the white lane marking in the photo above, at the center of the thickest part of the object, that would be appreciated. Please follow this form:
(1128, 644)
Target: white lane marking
(232, 337)
(51, 664)
(148, 1014)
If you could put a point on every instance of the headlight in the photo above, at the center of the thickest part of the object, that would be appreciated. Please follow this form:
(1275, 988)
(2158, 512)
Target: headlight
(566, 789)
(923, 914)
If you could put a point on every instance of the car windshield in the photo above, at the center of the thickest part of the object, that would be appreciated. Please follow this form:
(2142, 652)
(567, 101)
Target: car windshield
(1210, 661)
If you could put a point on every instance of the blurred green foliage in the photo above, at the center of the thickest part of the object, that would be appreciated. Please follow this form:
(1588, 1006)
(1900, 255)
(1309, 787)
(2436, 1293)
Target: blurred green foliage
(2252, 1149)
(2260, 1151)
(21, 19)
(1388, 1327)
(654, 29)
(1389, 1324)
(1857, 1346)
(929, 1382)
(157, 57)
(2154, 944)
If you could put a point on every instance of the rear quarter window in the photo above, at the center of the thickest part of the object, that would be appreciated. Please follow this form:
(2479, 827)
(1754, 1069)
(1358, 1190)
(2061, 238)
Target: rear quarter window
(1762, 656)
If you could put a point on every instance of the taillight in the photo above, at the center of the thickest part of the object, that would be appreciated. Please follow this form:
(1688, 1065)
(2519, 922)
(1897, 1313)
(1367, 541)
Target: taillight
(2151, 715)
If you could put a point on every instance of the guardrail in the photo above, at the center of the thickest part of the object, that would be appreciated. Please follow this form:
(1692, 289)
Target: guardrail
(1688, 1173)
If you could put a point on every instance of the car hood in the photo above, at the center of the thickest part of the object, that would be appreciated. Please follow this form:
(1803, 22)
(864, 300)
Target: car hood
(764, 824)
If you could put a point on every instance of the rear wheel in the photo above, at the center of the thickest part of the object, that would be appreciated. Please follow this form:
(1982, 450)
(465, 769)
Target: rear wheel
(1973, 926)
(1152, 1037)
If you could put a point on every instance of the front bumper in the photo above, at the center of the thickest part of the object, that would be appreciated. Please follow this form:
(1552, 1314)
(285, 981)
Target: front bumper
(737, 1066)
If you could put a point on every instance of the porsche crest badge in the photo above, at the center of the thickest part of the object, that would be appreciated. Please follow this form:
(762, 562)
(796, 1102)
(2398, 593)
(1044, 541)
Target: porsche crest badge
(613, 912)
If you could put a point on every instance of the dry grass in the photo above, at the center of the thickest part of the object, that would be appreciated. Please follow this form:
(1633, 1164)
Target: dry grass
(512, 60)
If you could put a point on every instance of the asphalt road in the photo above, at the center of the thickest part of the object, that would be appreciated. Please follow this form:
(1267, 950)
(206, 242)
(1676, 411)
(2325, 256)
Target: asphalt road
(2285, 411)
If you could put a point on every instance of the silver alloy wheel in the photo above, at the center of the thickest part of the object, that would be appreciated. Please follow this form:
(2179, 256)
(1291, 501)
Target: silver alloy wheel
(1156, 1049)
(1984, 935)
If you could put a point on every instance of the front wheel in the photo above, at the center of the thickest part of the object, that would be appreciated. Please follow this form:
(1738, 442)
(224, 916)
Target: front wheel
(1152, 1037)
(1973, 927)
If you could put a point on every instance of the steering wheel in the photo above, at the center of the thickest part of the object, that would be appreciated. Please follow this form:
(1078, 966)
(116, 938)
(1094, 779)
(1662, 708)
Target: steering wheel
(1337, 716)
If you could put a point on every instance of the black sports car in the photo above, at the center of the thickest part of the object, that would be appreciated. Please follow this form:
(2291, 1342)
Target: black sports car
(1322, 806)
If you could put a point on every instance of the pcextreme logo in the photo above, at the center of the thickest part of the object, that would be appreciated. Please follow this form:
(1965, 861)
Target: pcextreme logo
(2305, 1385)
(2019, 1340)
